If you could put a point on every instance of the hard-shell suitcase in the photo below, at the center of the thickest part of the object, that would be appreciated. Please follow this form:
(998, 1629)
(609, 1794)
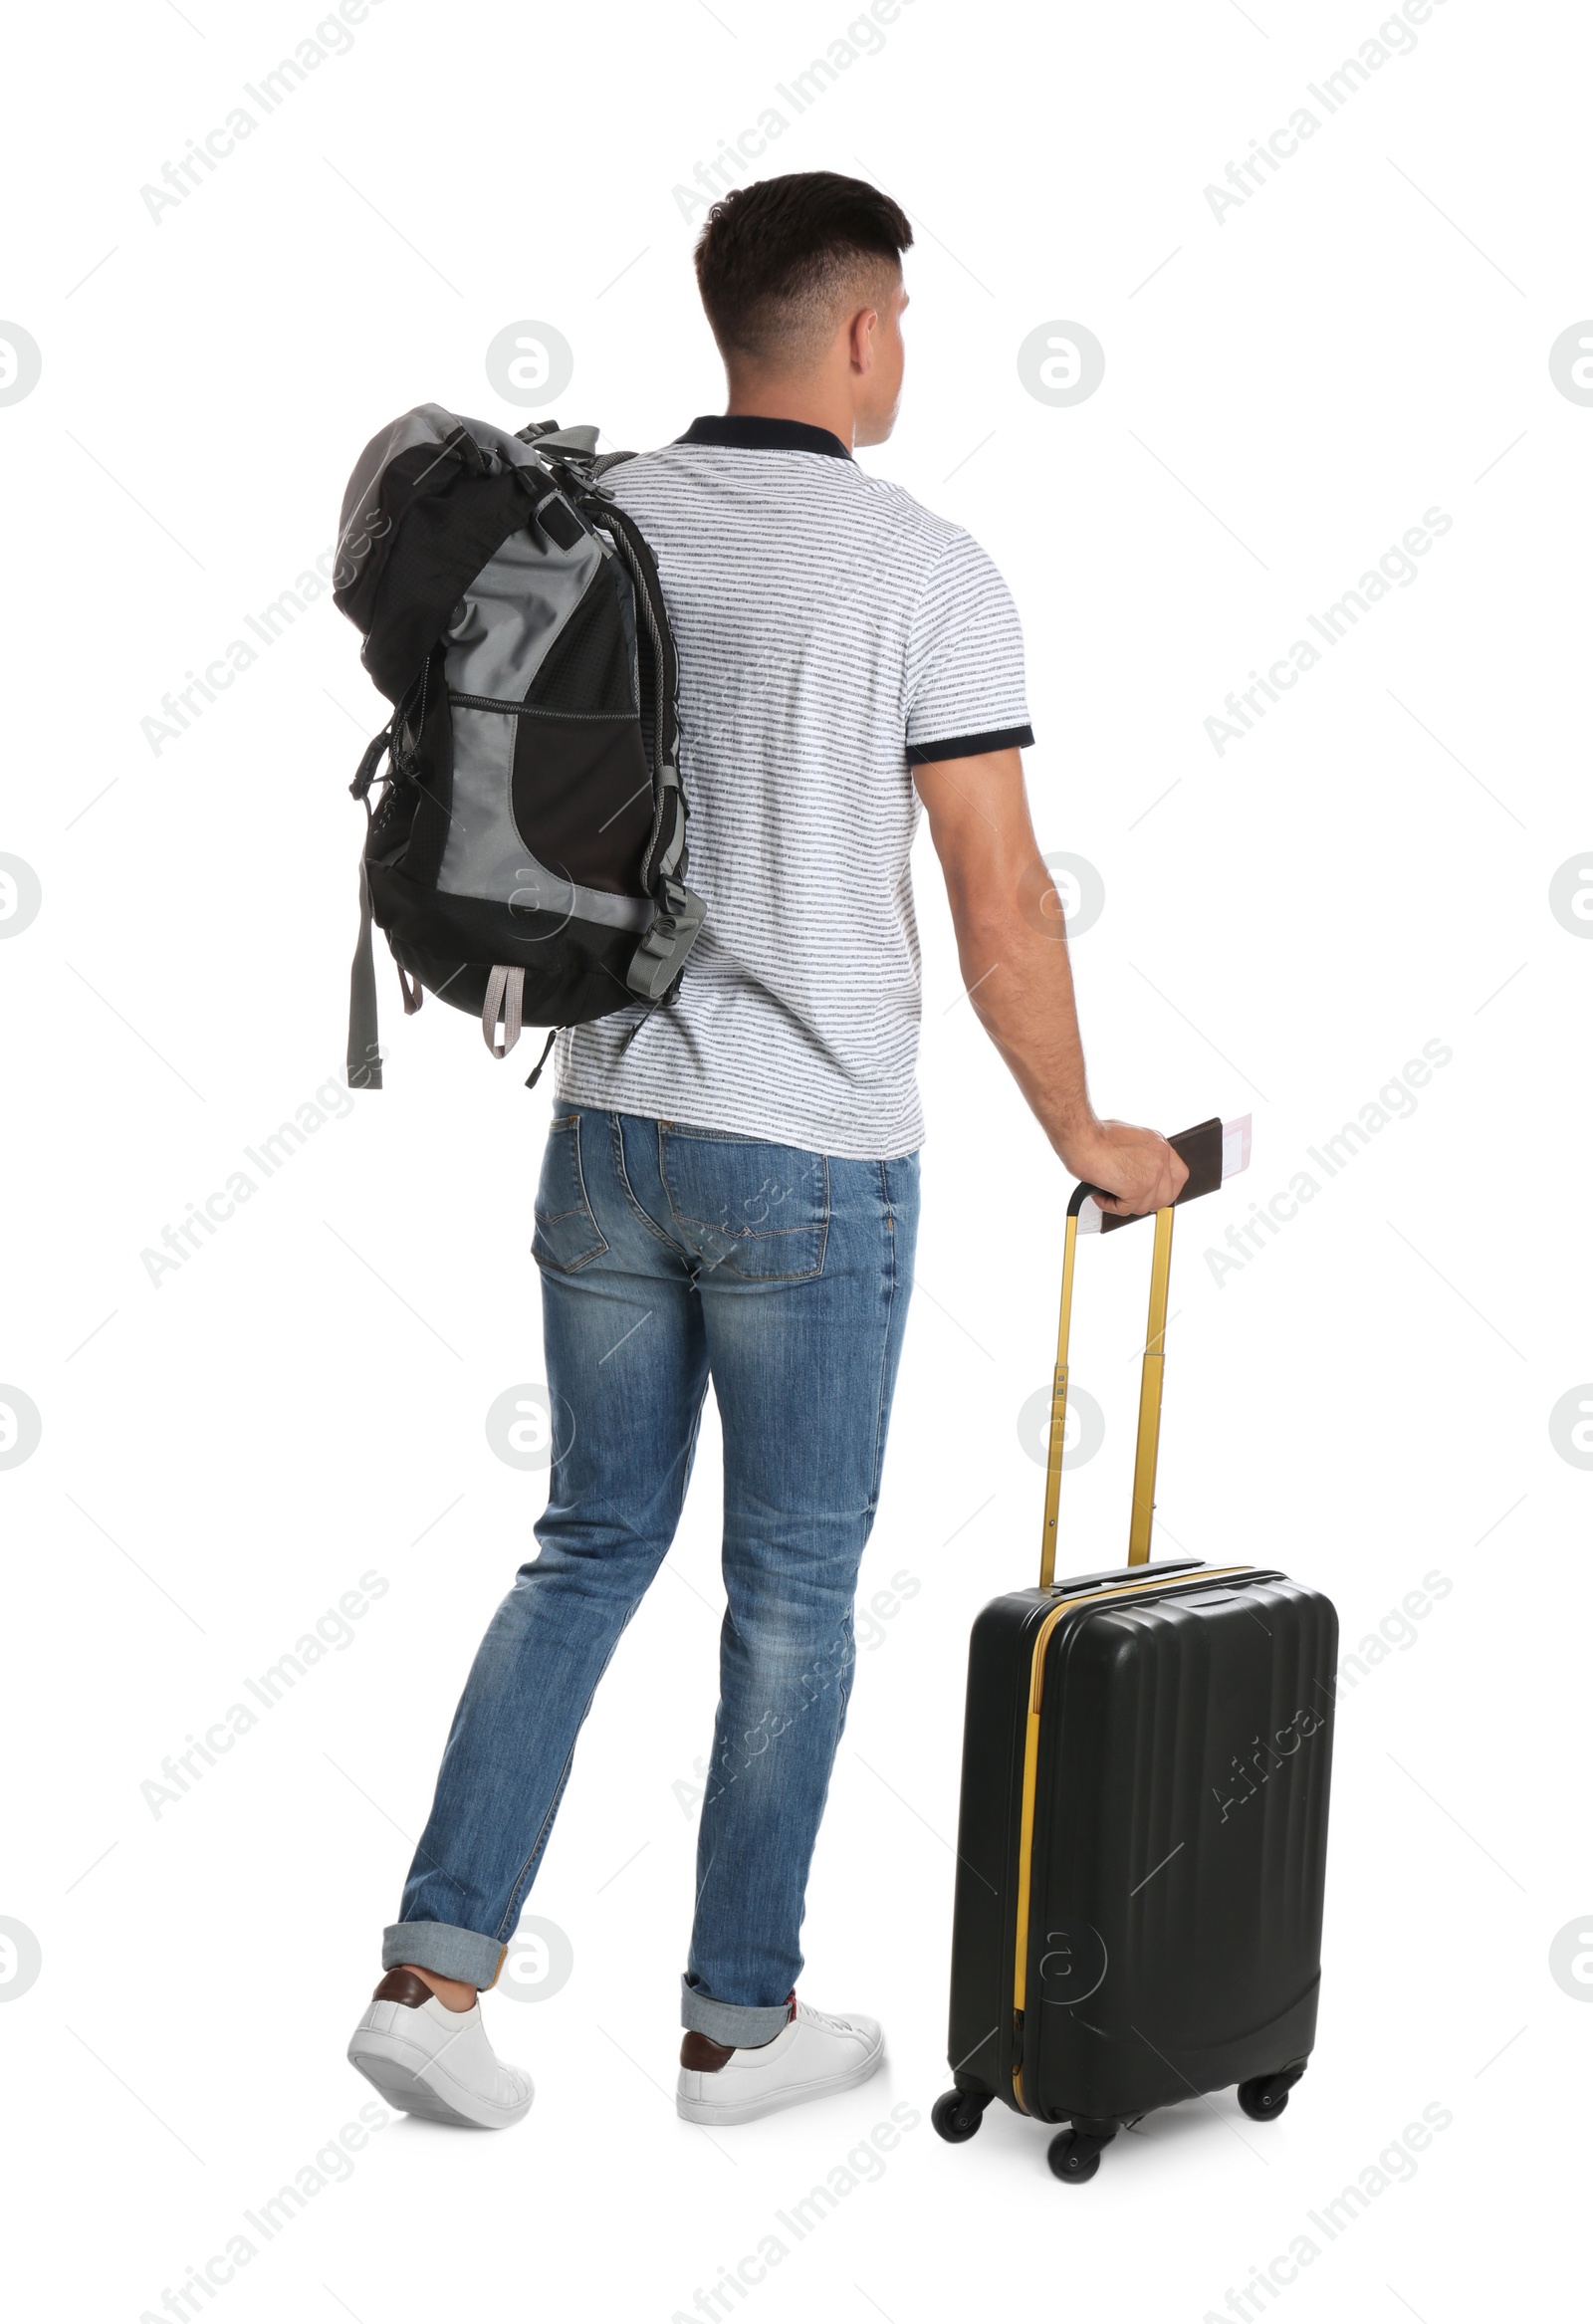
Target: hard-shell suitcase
(1143, 1829)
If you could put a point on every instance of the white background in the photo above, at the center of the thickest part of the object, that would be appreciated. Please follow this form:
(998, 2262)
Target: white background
(1363, 1402)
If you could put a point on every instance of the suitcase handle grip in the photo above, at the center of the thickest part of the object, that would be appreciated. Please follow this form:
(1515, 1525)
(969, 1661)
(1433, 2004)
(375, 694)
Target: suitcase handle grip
(1200, 1150)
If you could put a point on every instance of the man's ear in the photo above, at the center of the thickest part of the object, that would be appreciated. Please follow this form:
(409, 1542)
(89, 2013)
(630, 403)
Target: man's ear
(861, 337)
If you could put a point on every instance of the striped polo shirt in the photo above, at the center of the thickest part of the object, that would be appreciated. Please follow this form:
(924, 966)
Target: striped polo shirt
(831, 633)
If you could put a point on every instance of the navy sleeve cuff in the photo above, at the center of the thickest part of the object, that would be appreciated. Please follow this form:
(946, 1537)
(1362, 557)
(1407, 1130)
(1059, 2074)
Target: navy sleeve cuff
(971, 745)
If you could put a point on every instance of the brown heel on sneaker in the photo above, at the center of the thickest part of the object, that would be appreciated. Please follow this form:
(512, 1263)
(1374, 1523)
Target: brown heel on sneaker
(403, 1984)
(701, 2055)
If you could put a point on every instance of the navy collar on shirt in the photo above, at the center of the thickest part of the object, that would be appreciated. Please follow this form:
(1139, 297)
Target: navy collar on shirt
(746, 432)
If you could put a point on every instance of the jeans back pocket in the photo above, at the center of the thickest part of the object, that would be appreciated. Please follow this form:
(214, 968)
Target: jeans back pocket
(746, 1207)
(568, 1234)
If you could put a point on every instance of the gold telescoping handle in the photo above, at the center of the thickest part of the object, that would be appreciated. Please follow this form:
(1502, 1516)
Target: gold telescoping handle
(1150, 1394)
(1053, 1460)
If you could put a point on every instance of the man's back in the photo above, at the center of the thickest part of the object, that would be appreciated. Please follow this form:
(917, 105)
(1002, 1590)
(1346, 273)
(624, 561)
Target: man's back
(830, 629)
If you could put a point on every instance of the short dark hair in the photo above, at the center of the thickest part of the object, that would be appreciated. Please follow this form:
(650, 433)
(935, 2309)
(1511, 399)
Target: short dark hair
(775, 259)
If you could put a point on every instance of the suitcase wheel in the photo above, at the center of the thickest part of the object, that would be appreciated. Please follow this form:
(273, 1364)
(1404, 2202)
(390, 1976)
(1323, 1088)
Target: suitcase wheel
(1265, 2099)
(958, 2114)
(1076, 2155)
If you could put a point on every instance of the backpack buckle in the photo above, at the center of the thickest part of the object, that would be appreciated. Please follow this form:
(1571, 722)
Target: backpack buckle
(376, 750)
(662, 955)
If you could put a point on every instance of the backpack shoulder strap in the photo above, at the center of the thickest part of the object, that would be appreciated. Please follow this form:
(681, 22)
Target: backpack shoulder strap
(678, 913)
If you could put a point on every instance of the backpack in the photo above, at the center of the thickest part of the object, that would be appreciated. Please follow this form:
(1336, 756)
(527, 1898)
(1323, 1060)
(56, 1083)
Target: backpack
(528, 857)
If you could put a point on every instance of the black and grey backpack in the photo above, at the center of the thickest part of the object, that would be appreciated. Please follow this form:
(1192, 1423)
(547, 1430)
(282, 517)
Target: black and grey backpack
(528, 857)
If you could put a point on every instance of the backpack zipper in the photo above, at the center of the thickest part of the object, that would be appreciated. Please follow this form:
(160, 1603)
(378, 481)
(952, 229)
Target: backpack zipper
(536, 710)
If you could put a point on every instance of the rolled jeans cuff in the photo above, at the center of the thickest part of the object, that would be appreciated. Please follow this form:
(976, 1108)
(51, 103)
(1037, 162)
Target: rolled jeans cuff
(727, 2021)
(448, 1952)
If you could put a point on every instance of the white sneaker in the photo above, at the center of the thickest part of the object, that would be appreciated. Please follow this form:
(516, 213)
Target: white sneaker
(813, 2056)
(432, 2061)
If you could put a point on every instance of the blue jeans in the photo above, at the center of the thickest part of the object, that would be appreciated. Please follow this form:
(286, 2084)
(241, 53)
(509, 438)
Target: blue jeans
(672, 1256)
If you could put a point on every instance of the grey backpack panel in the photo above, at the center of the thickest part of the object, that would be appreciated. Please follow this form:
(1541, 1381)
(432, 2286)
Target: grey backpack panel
(486, 856)
(513, 611)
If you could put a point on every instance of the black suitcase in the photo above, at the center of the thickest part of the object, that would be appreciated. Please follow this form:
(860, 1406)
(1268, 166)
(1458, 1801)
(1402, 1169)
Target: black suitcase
(1143, 1831)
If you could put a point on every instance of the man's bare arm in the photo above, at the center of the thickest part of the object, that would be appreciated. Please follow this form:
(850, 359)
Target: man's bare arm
(1012, 948)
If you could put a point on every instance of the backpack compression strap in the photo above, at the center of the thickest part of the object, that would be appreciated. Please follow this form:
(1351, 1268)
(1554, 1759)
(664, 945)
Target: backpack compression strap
(364, 1049)
(364, 1061)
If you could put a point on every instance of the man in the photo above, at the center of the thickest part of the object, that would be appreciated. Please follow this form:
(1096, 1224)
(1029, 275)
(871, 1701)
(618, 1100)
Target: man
(730, 1188)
